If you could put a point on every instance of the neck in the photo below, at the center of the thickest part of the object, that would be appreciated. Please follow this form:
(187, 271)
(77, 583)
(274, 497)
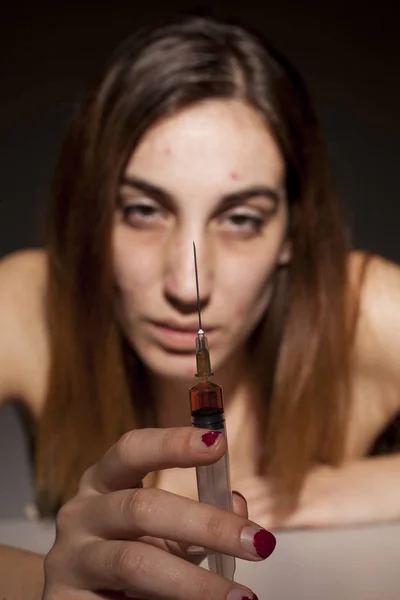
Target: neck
(172, 395)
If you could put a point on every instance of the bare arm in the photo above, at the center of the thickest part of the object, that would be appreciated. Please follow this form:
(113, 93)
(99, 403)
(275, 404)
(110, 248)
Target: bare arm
(360, 492)
(366, 489)
(363, 489)
(23, 355)
(21, 574)
(377, 343)
(9, 330)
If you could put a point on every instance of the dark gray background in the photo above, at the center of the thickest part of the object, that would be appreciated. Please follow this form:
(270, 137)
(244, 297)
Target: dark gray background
(348, 52)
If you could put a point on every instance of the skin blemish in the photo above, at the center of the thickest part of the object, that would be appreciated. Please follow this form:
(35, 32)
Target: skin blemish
(168, 151)
(235, 175)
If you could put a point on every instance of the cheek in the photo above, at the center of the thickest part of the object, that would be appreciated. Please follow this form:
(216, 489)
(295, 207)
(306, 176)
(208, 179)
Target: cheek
(251, 276)
(240, 312)
(252, 293)
(249, 288)
(134, 266)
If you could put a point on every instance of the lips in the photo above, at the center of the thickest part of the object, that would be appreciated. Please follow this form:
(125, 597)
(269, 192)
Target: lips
(191, 328)
(176, 336)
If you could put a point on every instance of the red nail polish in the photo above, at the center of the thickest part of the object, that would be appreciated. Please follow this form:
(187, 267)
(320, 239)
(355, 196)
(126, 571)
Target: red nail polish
(264, 543)
(210, 437)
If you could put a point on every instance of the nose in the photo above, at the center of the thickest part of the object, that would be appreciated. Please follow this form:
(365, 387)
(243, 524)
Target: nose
(179, 275)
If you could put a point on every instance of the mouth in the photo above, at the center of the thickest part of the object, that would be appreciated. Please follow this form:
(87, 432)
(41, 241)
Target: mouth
(176, 336)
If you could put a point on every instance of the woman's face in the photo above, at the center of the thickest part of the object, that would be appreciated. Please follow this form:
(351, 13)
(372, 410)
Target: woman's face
(212, 175)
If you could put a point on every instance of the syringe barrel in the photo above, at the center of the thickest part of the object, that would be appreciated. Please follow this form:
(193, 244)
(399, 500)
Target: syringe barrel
(214, 488)
(213, 481)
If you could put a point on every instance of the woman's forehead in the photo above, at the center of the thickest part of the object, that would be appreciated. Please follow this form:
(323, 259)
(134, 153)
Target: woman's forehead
(209, 145)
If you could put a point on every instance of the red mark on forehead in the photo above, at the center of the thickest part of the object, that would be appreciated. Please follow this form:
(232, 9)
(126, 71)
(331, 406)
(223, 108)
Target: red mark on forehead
(168, 150)
(235, 175)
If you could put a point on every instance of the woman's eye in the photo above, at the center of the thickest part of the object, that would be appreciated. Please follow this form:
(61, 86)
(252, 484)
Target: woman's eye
(247, 223)
(142, 214)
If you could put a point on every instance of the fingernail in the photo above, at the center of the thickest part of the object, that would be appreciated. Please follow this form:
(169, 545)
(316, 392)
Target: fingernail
(241, 595)
(240, 495)
(205, 440)
(259, 542)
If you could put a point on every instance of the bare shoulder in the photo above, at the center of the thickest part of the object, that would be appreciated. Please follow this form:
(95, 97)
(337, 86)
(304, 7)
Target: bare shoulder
(15, 267)
(23, 340)
(377, 342)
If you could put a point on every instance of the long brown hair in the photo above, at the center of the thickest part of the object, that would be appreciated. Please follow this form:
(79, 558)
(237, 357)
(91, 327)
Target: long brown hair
(301, 348)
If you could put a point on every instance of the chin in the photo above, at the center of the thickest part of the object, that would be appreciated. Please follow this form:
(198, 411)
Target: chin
(170, 365)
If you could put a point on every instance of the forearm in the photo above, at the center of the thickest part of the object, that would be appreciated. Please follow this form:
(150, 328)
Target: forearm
(379, 485)
(361, 491)
(21, 574)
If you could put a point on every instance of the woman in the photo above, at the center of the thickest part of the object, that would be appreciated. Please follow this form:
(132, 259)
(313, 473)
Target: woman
(197, 131)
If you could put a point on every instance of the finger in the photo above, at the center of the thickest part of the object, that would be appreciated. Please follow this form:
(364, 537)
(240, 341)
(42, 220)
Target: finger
(197, 553)
(142, 451)
(147, 572)
(239, 504)
(130, 514)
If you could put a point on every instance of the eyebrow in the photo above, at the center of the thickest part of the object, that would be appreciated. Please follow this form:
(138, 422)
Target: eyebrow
(226, 202)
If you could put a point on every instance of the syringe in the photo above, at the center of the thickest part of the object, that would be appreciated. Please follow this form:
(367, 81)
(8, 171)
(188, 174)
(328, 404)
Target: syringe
(207, 408)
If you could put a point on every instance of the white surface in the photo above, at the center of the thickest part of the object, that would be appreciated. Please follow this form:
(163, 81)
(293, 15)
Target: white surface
(350, 564)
